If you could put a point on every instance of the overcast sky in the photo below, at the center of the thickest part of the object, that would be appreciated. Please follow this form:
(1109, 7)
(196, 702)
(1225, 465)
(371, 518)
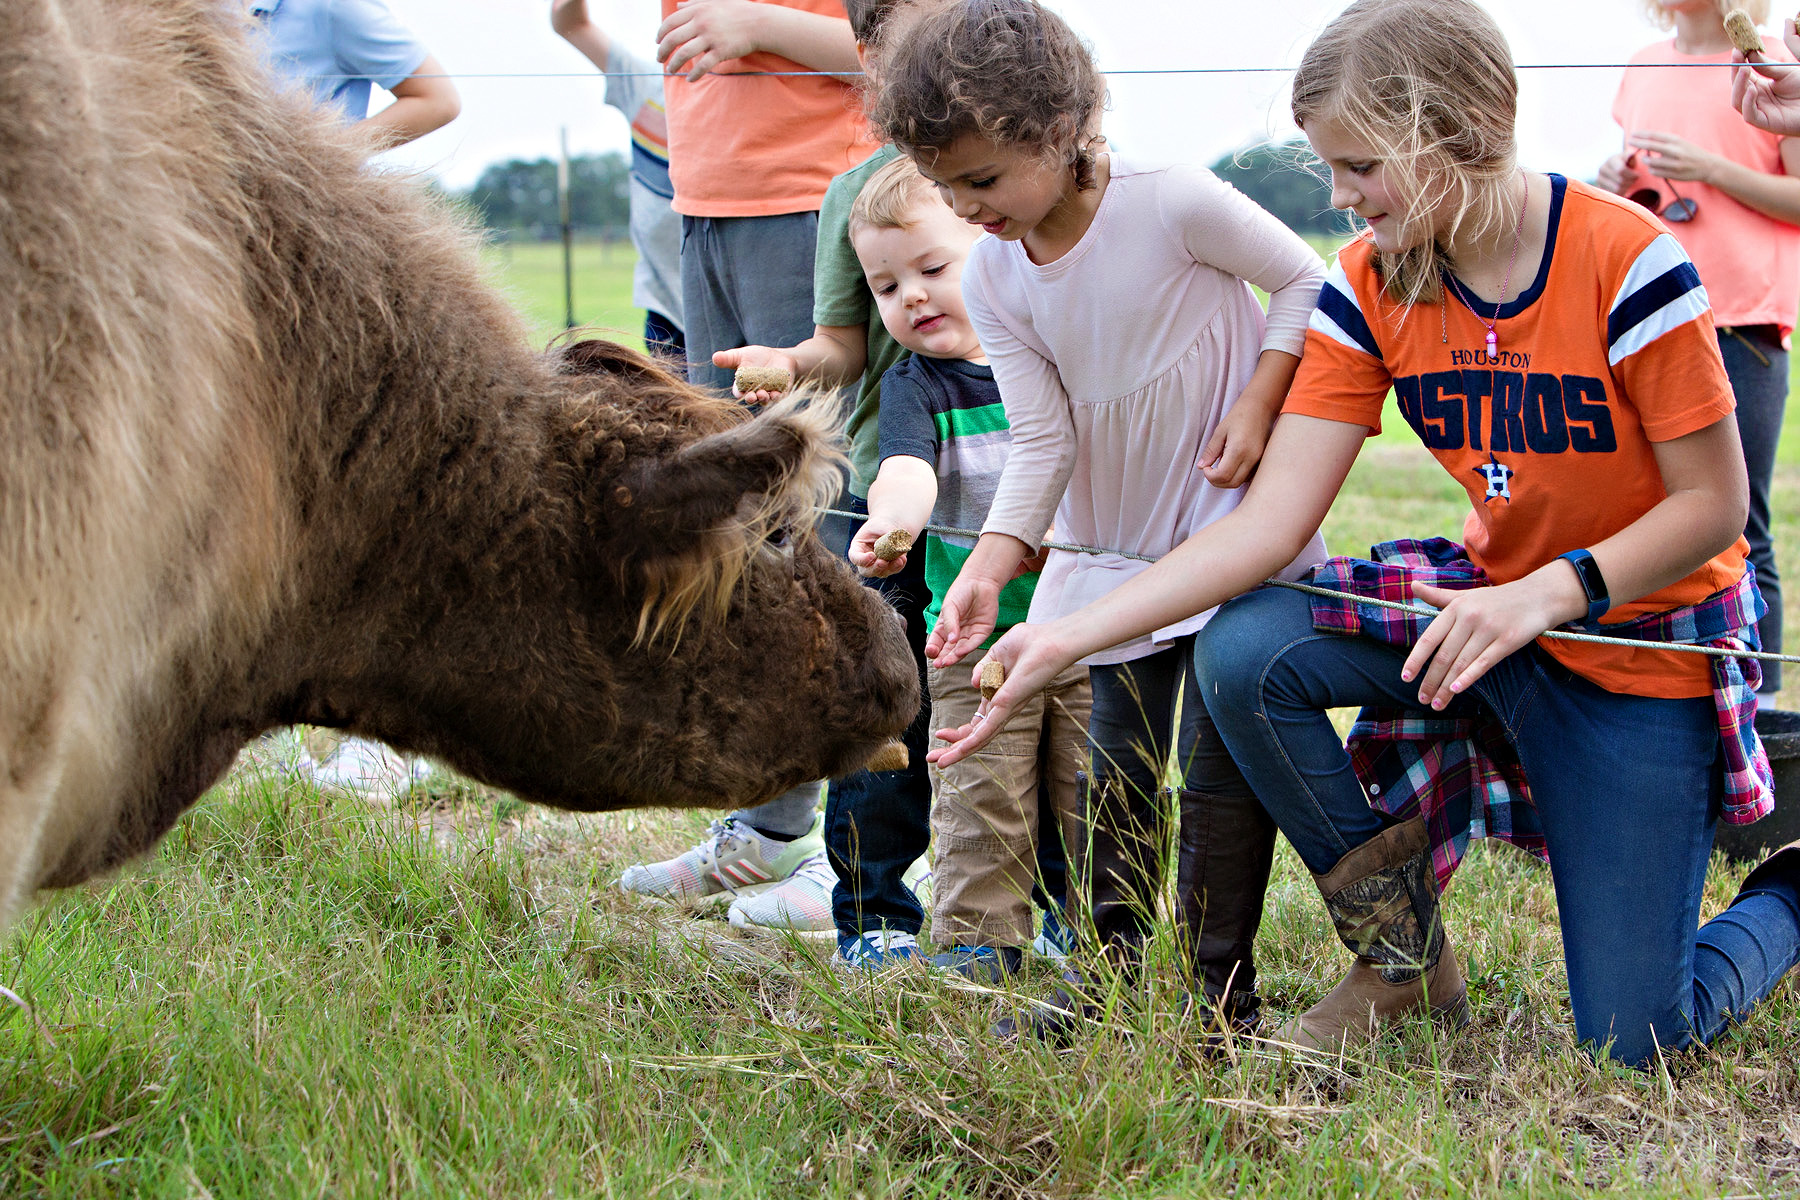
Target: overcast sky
(1565, 123)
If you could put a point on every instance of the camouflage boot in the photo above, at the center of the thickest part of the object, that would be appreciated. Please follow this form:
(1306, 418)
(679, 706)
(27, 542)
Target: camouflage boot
(1383, 900)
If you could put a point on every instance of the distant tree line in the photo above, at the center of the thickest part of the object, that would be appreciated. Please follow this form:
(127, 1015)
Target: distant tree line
(1286, 179)
(519, 196)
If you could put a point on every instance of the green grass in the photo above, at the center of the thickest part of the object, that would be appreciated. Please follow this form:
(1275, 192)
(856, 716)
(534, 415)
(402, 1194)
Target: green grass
(308, 996)
(532, 273)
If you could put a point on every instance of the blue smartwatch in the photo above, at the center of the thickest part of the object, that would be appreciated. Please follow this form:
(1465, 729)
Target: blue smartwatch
(1593, 584)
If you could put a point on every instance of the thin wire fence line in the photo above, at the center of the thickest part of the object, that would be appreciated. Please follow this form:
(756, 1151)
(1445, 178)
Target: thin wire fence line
(1413, 610)
(592, 74)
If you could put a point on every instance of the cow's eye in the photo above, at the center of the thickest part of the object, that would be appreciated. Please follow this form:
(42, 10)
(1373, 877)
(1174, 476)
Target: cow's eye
(782, 538)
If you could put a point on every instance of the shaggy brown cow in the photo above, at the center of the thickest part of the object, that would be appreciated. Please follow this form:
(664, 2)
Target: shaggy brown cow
(271, 451)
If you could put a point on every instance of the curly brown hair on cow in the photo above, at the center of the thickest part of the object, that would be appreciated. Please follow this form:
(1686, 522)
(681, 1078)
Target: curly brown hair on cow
(272, 450)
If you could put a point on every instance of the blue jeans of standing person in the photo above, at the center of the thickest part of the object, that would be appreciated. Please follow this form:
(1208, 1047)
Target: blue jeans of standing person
(1758, 368)
(878, 822)
(1627, 789)
(1134, 717)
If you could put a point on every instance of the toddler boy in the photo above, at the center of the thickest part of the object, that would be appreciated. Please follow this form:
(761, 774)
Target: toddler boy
(944, 440)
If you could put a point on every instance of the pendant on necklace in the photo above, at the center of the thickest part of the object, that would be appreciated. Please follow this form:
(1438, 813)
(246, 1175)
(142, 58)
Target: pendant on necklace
(1493, 342)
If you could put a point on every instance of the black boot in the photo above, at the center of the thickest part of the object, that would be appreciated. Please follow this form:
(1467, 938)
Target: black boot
(1227, 849)
(1118, 867)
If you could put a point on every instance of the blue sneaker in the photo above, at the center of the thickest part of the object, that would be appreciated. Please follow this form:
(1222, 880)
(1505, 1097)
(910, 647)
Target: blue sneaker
(980, 964)
(1055, 941)
(877, 950)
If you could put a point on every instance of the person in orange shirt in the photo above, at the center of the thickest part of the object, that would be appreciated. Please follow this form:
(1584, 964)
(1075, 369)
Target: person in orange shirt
(1730, 194)
(756, 134)
(1552, 347)
(755, 138)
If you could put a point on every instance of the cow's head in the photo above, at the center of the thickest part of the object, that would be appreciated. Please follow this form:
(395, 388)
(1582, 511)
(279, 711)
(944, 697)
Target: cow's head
(682, 637)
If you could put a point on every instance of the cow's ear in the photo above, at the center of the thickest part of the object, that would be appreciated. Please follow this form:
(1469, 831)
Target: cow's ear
(691, 523)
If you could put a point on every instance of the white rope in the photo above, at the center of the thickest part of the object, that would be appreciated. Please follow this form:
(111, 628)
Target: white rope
(1410, 609)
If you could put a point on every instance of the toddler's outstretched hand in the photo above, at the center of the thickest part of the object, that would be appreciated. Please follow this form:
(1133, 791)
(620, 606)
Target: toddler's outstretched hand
(862, 554)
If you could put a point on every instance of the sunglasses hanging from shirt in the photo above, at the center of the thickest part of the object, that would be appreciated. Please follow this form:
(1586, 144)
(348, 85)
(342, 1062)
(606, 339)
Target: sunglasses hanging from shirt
(1680, 208)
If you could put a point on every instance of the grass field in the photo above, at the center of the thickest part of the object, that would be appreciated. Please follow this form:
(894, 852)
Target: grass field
(532, 273)
(305, 995)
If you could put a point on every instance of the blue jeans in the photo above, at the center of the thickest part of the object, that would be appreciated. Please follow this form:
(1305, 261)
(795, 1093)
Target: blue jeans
(878, 822)
(1134, 717)
(1627, 789)
(1758, 369)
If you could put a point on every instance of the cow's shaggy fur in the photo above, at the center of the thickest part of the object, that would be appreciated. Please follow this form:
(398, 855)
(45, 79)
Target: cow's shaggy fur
(271, 451)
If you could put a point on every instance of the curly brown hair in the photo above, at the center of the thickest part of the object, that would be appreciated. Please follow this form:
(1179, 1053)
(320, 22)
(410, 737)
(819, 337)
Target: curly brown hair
(868, 18)
(1010, 71)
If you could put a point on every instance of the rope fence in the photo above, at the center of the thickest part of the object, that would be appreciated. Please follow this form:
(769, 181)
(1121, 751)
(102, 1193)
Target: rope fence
(1410, 609)
(1124, 71)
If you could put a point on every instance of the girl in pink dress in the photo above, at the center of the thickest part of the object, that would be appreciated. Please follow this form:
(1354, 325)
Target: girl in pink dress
(1140, 377)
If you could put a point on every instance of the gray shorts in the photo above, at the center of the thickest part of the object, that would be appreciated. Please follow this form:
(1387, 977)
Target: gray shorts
(745, 281)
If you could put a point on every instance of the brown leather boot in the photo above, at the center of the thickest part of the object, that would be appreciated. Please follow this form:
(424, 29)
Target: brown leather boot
(1782, 859)
(1383, 900)
(1222, 872)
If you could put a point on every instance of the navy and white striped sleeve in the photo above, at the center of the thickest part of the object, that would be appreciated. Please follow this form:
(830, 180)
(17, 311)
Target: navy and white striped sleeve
(1661, 292)
(1339, 317)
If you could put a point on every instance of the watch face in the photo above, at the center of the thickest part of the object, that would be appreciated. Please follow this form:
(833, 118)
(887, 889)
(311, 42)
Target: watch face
(1591, 582)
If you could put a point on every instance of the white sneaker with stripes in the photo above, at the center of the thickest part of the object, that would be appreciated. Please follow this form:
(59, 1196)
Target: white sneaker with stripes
(732, 858)
(801, 904)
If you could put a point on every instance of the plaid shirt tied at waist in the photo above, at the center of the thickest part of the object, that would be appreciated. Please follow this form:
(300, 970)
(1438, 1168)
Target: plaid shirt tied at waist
(1462, 774)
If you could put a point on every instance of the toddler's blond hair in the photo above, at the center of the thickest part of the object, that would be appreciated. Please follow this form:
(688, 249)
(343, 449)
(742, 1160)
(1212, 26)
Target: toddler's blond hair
(889, 196)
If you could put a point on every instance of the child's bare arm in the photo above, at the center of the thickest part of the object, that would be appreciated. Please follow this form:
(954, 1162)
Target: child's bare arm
(832, 357)
(902, 497)
(423, 101)
(1237, 445)
(701, 34)
(571, 21)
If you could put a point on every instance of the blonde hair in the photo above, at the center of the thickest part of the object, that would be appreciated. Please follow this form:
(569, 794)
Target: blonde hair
(889, 196)
(1429, 85)
(1662, 18)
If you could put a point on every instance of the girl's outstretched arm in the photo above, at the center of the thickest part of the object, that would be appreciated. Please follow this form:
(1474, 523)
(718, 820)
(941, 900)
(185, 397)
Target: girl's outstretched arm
(1703, 513)
(1302, 473)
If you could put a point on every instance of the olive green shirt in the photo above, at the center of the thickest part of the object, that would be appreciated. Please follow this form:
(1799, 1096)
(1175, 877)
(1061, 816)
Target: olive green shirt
(841, 297)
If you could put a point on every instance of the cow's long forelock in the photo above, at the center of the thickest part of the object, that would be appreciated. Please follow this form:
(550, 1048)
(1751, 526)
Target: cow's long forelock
(700, 583)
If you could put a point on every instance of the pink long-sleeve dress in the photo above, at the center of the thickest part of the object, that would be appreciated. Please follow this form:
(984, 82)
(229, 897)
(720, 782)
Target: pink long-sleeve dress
(1117, 362)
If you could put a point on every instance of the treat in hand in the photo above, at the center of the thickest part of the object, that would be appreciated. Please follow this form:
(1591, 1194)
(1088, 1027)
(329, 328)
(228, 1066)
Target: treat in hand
(892, 544)
(762, 379)
(993, 674)
(891, 757)
(1743, 32)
